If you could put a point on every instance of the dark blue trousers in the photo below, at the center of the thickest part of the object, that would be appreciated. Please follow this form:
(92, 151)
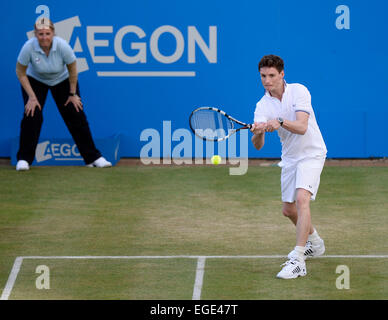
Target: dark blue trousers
(75, 121)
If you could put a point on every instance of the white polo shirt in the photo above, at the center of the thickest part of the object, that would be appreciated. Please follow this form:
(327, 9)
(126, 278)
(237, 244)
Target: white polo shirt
(295, 147)
(50, 70)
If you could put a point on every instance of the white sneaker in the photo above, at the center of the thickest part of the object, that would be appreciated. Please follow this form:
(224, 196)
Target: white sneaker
(101, 162)
(293, 268)
(314, 249)
(22, 165)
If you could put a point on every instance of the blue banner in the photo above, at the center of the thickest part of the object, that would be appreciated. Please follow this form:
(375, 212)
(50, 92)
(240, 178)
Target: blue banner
(144, 63)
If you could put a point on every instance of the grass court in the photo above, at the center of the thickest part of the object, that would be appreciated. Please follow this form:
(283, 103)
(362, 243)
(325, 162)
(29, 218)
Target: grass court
(186, 232)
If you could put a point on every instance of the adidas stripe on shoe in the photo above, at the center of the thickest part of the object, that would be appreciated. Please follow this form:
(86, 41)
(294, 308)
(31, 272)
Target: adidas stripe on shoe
(314, 249)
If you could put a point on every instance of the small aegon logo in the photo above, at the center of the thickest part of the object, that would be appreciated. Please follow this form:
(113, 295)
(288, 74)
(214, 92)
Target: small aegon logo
(60, 151)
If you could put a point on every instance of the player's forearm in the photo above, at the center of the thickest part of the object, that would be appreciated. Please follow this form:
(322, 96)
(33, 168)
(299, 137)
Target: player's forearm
(258, 140)
(297, 127)
(73, 76)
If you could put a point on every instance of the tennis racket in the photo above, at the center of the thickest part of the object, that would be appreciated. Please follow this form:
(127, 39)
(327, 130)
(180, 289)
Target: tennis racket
(213, 124)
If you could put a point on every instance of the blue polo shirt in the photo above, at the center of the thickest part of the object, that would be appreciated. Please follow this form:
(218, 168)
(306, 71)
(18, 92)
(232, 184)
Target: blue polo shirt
(50, 70)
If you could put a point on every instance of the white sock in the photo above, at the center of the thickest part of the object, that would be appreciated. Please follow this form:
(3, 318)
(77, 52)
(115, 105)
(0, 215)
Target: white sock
(314, 236)
(300, 252)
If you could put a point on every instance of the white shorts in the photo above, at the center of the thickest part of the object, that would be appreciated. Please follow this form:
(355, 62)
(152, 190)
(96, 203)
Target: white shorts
(305, 174)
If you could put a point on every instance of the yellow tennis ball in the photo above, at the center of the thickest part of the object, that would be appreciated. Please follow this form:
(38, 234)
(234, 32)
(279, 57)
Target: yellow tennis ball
(216, 159)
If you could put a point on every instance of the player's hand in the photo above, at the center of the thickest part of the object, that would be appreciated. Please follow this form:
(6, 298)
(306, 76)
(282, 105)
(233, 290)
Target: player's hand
(259, 128)
(29, 108)
(272, 125)
(76, 101)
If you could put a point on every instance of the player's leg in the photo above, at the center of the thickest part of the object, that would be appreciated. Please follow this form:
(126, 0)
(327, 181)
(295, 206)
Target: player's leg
(295, 266)
(299, 186)
(314, 245)
(299, 214)
(290, 211)
(307, 184)
(303, 225)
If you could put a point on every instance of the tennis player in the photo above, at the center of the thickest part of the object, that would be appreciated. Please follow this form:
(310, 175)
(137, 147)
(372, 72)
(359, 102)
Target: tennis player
(286, 108)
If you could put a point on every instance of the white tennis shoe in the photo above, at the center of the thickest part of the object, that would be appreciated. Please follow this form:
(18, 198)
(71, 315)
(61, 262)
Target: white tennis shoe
(293, 268)
(22, 165)
(101, 162)
(314, 249)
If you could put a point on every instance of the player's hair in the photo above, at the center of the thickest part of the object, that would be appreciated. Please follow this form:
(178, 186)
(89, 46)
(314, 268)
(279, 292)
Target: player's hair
(44, 23)
(272, 61)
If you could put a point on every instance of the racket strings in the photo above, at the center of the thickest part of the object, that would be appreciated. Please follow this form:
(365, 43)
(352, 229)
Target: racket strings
(210, 124)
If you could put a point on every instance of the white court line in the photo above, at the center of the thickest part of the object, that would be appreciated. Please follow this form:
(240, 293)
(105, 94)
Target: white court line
(371, 256)
(12, 278)
(199, 272)
(199, 278)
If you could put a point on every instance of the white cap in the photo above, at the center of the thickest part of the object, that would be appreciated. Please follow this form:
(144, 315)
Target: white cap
(44, 23)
